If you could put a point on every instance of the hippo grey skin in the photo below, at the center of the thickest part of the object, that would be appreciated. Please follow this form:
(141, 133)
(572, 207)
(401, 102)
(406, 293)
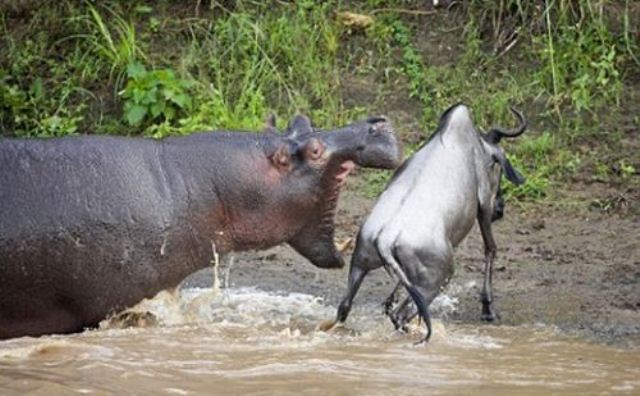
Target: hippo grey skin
(428, 208)
(90, 225)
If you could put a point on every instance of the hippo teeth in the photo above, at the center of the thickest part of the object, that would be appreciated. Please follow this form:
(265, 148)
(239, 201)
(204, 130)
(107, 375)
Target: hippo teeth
(345, 168)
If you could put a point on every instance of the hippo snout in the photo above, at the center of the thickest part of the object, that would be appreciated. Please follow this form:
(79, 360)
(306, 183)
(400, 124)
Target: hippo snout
(379, 125)
(381, 148)
(370, 143)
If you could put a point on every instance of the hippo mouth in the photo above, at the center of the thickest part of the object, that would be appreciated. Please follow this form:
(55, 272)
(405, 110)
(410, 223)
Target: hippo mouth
(336, 183)
(316, 240)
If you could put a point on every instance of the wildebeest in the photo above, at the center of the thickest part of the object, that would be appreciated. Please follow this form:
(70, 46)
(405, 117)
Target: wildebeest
(427, 209)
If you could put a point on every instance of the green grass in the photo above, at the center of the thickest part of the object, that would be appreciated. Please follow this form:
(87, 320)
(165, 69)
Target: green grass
(161, 68)
(569, 72)
(115, 44)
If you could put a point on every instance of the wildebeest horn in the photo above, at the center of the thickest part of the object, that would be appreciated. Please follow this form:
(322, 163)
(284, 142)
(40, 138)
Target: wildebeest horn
(495, 134)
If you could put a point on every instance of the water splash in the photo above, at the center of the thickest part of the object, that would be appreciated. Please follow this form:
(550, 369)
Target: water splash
(245, 340)
(55, 348)
(268, 316)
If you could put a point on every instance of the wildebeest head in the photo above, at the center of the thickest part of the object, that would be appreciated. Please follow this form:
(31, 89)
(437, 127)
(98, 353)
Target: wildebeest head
(500, 164)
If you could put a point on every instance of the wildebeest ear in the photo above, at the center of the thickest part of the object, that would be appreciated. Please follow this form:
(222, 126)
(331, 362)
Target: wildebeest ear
(509, 171)
(299, 126)
(281, 158)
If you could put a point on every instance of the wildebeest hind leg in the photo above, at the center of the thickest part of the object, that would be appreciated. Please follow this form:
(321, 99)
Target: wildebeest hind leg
(356, 275)
(391, 300)
(426, 274)
(402, 314)
(406, 268)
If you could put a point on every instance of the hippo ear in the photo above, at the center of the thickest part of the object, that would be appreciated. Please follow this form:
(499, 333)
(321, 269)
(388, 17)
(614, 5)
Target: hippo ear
(281, 158)
(299, 126)
(270, 124)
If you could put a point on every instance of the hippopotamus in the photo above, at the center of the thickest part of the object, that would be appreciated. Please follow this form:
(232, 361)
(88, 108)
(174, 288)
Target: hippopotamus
(90, 225)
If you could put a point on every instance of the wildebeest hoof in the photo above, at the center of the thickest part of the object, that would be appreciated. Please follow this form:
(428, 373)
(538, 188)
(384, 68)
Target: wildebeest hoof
(327, 325)
(490, 316)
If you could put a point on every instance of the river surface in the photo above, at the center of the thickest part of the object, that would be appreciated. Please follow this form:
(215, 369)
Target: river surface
(246, 341)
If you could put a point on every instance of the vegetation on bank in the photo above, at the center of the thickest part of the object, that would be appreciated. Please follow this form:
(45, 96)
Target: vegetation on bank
(174, 67)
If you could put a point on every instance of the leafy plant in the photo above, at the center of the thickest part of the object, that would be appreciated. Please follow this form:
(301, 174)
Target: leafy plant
(154, 94)
(625, 169)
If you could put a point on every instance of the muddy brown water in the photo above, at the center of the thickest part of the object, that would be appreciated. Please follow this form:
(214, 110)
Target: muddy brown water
(248, 341)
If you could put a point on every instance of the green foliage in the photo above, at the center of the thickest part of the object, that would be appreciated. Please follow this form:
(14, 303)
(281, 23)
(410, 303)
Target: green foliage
(154, 94)
(77, 67)
(33, 112)
(115, 43)
(573, 64)
(535, 158)
(626, 169)
(375, 182)
(255, 56)
(581, 57)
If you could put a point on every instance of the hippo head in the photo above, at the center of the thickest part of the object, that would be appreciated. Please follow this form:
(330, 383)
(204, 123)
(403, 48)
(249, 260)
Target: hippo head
(370, 143)
(333, 154)
(318, 163)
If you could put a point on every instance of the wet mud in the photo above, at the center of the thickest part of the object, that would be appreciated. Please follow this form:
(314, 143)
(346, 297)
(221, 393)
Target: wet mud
(577, 270)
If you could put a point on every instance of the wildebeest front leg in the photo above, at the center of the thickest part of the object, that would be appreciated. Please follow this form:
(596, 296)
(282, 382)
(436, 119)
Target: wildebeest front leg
(488, 313)
(356, 275)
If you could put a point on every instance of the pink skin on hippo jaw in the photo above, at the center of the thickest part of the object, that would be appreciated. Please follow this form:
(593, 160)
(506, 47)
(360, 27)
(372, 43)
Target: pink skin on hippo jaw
(322, 161)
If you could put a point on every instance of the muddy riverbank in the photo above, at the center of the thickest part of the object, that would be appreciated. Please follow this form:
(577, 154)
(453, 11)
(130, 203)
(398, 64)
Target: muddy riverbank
(575, 269)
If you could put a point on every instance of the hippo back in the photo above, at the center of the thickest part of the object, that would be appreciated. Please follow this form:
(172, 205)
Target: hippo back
(60, 202)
